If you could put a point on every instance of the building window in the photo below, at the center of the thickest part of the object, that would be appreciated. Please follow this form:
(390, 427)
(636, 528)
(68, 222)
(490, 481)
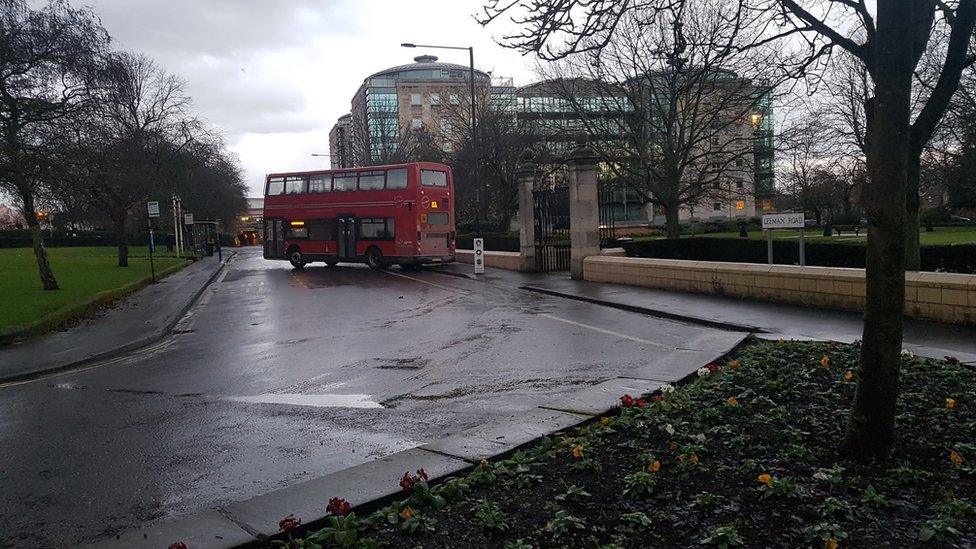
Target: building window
(717, 206)
(448, 147)
(738, 184)
(455, 99)
(739, 162)
(416, 124)
(396, 179)
(716, 185)
(740, 204)
(435, 99)
(377, 228)
(415, 99)
(446, 126)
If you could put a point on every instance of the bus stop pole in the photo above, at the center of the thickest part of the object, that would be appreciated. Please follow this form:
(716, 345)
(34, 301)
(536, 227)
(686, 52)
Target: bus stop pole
(769, 246)
(803, 249)
(152, 245)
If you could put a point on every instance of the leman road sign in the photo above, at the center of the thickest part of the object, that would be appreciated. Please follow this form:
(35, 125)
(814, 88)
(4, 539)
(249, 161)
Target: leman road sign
(153, 208)
(783, 221)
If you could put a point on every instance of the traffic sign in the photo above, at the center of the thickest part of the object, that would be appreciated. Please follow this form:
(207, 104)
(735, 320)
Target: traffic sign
(153, 208)
(188, 219)
(783, 221)
(479, 256)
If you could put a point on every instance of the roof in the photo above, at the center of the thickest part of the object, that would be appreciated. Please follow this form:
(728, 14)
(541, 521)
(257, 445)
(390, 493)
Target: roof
(426, 62)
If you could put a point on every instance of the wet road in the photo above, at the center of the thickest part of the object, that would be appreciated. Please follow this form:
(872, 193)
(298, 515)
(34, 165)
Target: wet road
(277, 376)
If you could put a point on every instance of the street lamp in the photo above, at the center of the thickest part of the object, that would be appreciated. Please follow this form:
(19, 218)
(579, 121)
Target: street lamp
(474, 126)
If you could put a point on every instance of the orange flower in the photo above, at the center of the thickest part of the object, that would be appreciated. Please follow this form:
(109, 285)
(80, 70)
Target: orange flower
(672, 446)
(848, 375)
(825, 361)
(406, 513)
(734, 364)
(578, 451)
(955, 457)
(766, 479)
(731, 401)
(654, 467)
(950, 403)
(693, 458)
(831, 544)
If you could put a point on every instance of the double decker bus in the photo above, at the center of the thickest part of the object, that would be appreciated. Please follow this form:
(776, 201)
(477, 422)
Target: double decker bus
(381, 215)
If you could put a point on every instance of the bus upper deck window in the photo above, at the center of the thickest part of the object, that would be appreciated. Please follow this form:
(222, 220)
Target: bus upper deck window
(276, 186)
(396, 179)
(344, 181)
(295, 185)
(432, 178)
(320, 183)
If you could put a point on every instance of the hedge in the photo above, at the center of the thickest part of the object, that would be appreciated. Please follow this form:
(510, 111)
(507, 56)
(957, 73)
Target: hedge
(504, 242)
(958, 258)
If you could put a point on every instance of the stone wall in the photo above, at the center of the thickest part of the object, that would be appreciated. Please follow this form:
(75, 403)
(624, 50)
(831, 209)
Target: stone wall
(937, 296)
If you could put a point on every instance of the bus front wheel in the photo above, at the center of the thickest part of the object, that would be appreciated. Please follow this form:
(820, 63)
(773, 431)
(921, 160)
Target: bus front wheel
(296, 258)
(374, 258)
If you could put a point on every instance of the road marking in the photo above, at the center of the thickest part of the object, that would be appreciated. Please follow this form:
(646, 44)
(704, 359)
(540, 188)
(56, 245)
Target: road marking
(434, 284)
(607, 332)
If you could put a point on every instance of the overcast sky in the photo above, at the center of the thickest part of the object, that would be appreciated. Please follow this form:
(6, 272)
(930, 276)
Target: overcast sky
(273, 76)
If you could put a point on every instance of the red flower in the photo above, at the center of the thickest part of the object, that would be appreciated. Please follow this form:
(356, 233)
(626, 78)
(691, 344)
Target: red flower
(289, 523)
(627, 401)
(178, 545)
(338, 506)
(951, 359)
(406, 482)
(422, 475)
(713, 367)
(655, 398)
(641, 403)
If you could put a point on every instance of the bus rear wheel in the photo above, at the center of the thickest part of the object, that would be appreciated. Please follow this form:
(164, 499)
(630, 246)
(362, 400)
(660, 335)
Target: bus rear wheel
(374, 258)
(296, 258)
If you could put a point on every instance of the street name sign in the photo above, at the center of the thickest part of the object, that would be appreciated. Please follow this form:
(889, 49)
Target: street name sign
(188, 219)
(153, 208)
(783, 221)
(479, 256)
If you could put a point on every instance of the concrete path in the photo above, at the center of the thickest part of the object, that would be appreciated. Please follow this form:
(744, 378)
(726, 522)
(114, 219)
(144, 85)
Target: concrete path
(141, 319)
(772, 320)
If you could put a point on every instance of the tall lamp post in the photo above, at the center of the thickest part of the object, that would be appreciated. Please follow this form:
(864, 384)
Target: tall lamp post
(474, 126)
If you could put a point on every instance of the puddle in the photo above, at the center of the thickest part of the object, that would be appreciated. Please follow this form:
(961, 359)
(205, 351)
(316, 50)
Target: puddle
(321, 401)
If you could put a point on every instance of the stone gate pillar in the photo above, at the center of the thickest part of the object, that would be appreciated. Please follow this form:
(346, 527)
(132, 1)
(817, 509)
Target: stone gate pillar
(584, 210)
(527, 175)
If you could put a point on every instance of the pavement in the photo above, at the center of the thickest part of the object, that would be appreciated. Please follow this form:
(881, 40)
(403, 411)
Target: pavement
(140, 319)
(281, 388)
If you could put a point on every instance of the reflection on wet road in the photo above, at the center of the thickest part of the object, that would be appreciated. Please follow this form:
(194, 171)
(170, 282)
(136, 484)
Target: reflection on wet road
(277, 376)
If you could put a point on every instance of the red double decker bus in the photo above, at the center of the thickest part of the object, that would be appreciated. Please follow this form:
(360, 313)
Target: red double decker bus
(382, 215)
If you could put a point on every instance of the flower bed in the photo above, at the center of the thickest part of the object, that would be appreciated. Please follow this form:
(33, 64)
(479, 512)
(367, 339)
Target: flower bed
(745, 454)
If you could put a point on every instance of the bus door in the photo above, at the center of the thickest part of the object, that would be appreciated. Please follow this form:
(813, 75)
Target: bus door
(346, 237)
(274, 238)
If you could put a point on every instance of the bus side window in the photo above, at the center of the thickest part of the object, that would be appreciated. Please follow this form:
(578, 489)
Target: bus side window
(396, 179)
(321, 230)
(344, 181)
(377, 228)
(320, 183)
(276, 186)
(295, 185)
(433, 178)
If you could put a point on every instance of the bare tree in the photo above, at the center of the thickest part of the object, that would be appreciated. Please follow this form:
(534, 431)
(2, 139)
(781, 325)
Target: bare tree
(889, 40)
(46, 59)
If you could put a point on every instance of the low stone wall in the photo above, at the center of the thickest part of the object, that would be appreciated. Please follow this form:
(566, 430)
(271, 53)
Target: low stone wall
(936, 296)
(498, 260)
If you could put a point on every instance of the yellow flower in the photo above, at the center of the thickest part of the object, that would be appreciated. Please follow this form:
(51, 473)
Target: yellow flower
(950, 403)
(780, 342)
(693, 458)
(406, 513)
(578, 451)
(654, 467)
(955, 457)
(825, 361)
(731, 401)
(848, 375)
(766, 479)
(831, 544)
(734, 364)
(604, 421)
(483, 464)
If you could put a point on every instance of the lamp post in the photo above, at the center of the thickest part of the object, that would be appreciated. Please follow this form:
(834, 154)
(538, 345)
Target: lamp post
(474, 126)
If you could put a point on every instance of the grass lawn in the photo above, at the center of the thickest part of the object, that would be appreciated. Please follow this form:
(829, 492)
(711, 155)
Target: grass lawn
(941, 236)
(81, 272)
(743, 455)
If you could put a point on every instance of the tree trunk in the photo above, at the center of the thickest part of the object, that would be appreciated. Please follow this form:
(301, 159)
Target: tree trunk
(123, 243)
(871, 429)
(671, 225)
(37, 242)
(913, 253)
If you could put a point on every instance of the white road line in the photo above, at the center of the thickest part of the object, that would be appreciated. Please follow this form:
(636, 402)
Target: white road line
(608, 332)
(448, 288)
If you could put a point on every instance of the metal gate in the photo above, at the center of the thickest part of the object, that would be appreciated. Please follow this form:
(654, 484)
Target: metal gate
(552, 244)
(608, 230)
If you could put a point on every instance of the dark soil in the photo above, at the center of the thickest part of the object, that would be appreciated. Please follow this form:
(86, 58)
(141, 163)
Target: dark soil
(774, 408)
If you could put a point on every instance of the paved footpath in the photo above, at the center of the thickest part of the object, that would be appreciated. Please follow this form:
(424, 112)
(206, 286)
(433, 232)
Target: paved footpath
(142, 318)
(770, 320)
